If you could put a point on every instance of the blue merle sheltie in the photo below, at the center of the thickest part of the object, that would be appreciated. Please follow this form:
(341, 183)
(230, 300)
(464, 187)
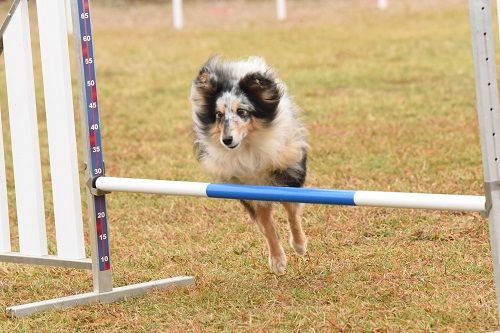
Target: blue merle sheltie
(248, 132)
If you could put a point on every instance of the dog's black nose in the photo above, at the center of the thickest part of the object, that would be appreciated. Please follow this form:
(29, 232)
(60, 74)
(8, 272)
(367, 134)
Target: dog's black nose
(227, 140)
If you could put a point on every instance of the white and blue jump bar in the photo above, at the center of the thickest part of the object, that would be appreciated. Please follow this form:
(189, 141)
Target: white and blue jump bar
(466, 203)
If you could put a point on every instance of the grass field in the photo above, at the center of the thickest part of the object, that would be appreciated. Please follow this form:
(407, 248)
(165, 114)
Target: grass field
(389, 100)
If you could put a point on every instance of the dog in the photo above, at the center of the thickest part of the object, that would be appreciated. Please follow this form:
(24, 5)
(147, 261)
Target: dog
(247, 131)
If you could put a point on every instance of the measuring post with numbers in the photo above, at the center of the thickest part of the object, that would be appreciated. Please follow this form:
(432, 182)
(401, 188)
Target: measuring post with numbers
(91, 131)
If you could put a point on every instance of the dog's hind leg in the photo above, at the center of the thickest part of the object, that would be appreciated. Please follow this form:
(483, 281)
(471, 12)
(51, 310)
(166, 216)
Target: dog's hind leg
(250, 208)
(297, 238)
(277, 257)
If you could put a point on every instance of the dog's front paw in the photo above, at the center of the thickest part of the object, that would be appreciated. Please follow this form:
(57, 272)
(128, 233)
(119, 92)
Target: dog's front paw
(278, 264)
(299, 247)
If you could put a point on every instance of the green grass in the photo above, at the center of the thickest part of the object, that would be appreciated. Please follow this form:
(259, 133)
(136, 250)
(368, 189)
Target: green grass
(389, 101)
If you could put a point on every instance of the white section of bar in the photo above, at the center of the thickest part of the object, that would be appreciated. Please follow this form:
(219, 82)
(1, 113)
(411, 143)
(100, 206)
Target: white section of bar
(61, 128)
(137, 185)
(383, 4)
(471, 203)
(177, 14)
(24, 134)
(4, 206)
(281, 9)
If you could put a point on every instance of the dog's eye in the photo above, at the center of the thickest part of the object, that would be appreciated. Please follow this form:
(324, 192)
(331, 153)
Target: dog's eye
(241, 113)
(219, 115)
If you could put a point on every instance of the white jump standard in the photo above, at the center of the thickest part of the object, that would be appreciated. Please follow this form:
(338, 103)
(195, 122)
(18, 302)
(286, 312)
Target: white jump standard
(98, 184)
(60, 125)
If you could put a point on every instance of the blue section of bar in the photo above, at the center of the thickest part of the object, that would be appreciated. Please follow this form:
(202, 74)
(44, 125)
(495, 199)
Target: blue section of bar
(285, 194)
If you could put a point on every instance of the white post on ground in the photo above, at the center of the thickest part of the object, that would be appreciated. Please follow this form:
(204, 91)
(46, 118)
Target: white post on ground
(177, 14)
(382, 4)
(52, 22)
(281, 9)
(4, 207)
(24, 134)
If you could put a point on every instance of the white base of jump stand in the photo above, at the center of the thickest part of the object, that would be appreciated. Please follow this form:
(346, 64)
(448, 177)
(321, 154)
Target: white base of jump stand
(106, 297)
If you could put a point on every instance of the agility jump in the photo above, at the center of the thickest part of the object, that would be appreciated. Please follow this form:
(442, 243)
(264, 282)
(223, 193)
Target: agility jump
(32, 238)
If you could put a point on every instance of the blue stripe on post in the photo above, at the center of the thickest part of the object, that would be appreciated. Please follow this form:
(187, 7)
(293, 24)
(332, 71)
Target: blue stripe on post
(285, 194)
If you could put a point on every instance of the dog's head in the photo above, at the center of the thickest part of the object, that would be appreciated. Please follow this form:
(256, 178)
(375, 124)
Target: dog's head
(229, 105)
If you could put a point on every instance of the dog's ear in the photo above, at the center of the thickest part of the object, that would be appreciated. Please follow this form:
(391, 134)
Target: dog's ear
(204, 94)
(206, 80)
(202, 77)
(263, 92)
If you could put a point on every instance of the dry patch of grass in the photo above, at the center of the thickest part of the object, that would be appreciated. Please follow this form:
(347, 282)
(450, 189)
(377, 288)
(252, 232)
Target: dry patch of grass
(389, 101)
